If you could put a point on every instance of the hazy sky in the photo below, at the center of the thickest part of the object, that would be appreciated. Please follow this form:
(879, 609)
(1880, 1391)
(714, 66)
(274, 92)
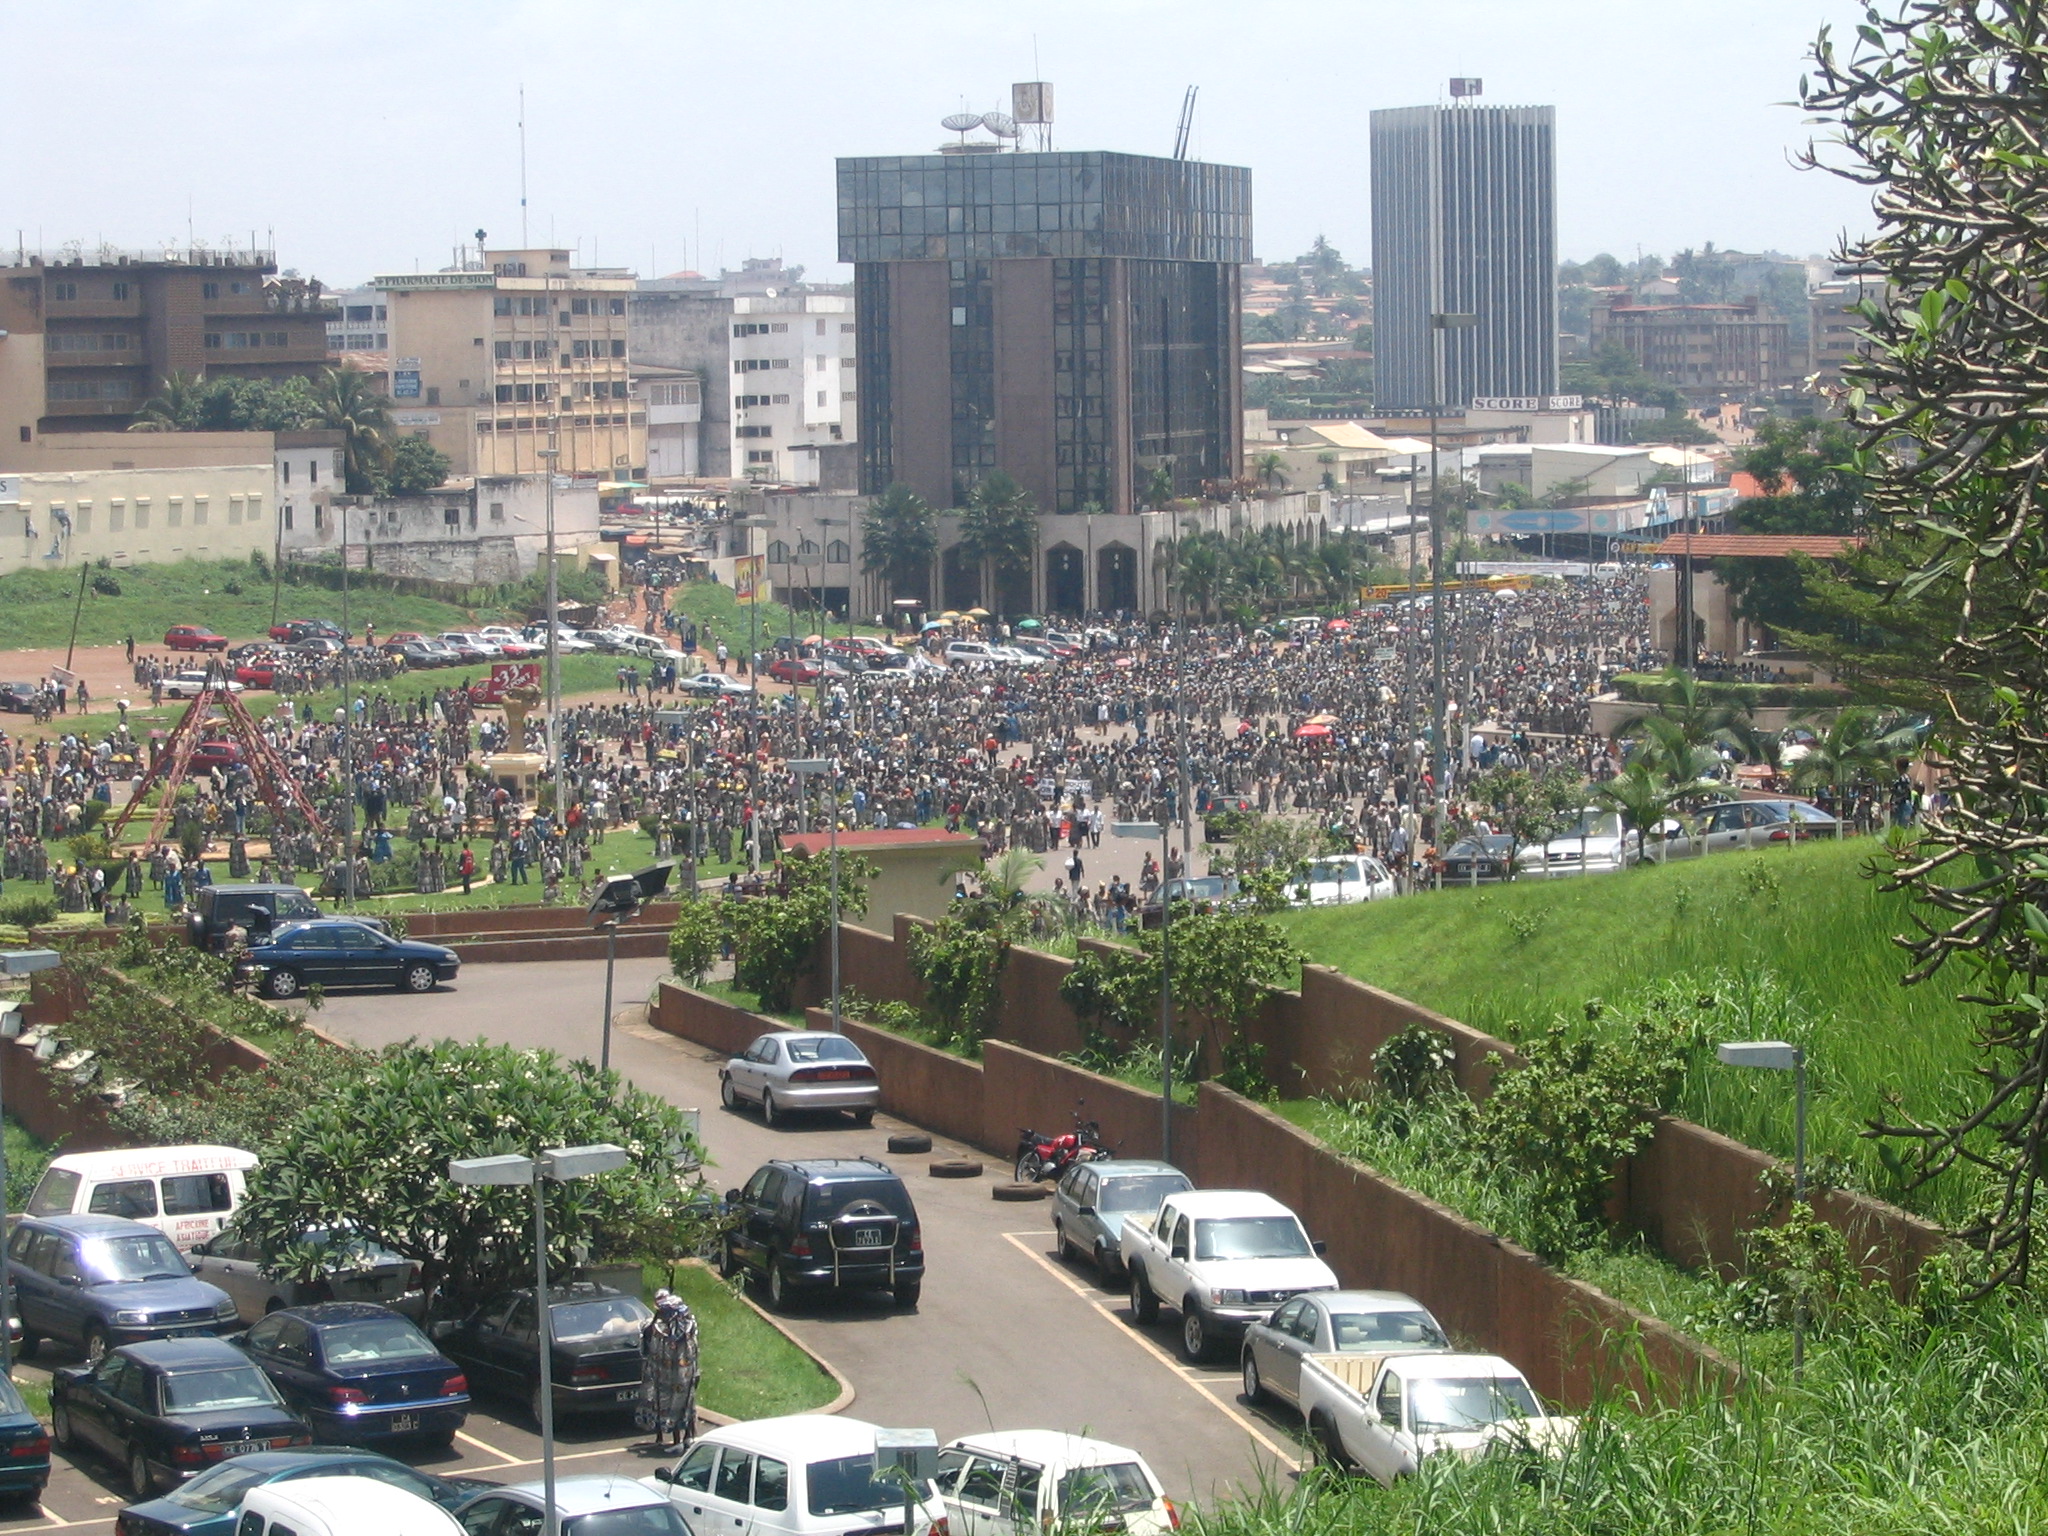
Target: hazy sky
(661, 134)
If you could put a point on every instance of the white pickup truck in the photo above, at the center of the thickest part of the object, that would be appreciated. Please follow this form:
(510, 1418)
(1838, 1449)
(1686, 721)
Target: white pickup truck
(1222, 1258)
(1382, 1414)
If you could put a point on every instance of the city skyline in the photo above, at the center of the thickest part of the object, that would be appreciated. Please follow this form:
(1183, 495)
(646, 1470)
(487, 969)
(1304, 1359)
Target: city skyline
(410, 142)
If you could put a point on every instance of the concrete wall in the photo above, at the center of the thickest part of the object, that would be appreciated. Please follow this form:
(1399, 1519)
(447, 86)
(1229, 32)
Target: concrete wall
(139, 516)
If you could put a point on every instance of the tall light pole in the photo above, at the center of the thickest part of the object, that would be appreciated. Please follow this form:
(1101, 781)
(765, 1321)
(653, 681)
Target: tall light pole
(348, 722)
(753, 684)
(803, 768)
(1145, 831)
(1779, 1056)
(1439, 322)
(548, 455)
(561, 1165)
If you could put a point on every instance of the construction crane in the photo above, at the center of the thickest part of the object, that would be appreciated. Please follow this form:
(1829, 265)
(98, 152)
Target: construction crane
(1187, 123)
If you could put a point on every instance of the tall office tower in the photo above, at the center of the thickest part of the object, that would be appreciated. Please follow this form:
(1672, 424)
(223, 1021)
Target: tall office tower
(1069, 318)
(1464, 221)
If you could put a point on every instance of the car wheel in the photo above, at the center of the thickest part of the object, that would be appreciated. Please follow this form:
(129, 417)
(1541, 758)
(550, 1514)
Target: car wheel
(60, 1426)
(1106, 1263)
(1060, 1245)
(778, 1288)
(863, 1118)
(770, 1115)
(727, 1094)
(1144, 1305)
(1323, 1434)
(1254, 1389)
(95, 1344)
(908, 1293)
(140, 1483)
(420, 978)
(1196, 1336)
(282, 984)
(30, 1343)
(729, 1265)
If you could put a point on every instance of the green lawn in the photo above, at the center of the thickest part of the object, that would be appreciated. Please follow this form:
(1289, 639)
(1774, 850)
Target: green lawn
(750, 1369)
(1795, 942)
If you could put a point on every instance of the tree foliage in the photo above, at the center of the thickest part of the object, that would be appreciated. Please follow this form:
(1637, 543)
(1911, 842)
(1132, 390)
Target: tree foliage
(899, 541)
(999, 533)
(372, 1156)
(416, 466)
(774, 937)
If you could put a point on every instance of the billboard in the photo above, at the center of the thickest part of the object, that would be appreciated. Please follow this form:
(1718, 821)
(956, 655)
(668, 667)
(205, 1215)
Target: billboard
(746, 578)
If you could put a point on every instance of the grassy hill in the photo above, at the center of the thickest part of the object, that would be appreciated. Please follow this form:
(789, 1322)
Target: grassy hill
(1795, 944)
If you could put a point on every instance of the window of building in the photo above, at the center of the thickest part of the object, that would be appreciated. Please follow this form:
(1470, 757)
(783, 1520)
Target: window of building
(234, 511)
(821, 397)
(452, 518)
(89, 389)
(579, 306)
(199, 511)
(836, 553)
(846, 327)
(779, 399)
(70, 341)
(621, 389)
(117, 515)
(497, 511)
(846, 394)
(579, 349)
(778, 552)
(618, 349)
(241, 287)
(174, 511)
(141, 514)
(287, 517)
(821, 327)
(502, 304)
(120, 290)
(64, 290)
(780, 325)
(356, 312)
(433, 394)
(213, 341)
(753, 432)
(209, 290)
(287, 471)
(276, 339)
(615, 306)
(778, 362)
(502, 351)
(255, 513)
(504, 393)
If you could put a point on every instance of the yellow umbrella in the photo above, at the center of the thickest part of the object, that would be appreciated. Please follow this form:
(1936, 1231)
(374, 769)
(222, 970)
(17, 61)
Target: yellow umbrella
(950, 613)
(977, 613)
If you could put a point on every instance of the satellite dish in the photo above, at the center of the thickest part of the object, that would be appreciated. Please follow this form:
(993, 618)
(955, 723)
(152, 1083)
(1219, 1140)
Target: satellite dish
(1001, 124)
(960, 122)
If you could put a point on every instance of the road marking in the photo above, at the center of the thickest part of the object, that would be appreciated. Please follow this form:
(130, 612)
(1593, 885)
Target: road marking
(506, 1457)
(1202, 1382)
(49, 1521)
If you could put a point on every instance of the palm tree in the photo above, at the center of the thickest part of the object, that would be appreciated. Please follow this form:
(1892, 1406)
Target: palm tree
(1669, 748)
(999, 532)
(1645, 795)
(1858, 747)
(1200, 571)
(1158, 493)
(1697, 719)
(899, 541)
(1272, 468)
(177, 406)
(348, 403)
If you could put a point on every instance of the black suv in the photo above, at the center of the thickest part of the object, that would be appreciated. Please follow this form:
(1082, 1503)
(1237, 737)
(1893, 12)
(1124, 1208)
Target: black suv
(258, 908)
(827, 1224)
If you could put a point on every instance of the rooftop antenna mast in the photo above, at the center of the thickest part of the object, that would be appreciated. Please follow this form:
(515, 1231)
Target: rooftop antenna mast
(522, 167)
(1187, 123)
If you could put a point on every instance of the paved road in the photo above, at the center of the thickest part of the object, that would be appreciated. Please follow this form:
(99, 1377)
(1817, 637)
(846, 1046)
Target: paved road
(1005, 1334)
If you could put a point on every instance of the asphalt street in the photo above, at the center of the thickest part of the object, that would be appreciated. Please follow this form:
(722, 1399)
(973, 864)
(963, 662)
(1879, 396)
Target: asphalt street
(1006, 1336)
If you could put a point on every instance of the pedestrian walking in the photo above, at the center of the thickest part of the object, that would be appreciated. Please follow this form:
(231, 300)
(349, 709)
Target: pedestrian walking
(668, 1380)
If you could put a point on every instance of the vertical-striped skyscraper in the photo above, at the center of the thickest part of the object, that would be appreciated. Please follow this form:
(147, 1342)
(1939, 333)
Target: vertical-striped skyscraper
(1464, 221)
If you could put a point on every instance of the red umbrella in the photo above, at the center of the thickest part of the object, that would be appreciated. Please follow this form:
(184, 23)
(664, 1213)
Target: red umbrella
(1311, 728)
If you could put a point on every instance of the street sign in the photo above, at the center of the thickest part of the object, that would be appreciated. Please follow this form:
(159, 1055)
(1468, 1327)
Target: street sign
(405, 384)
(10, 489)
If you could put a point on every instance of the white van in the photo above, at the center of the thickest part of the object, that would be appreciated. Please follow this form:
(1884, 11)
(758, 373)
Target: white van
(340, 1506)
(186, 1193)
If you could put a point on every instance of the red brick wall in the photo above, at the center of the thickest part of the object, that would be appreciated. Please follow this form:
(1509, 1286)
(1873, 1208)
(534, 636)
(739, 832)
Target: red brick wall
(708, 1020)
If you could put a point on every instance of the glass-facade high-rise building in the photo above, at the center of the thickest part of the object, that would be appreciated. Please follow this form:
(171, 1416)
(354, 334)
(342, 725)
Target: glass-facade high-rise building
(1464, 221)
(1071, 318)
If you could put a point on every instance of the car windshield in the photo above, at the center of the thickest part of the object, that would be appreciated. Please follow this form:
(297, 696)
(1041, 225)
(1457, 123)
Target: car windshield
(828, 1198)
(1592, 823)
(220, 1489)
(607, 1318)
(1801, 811)
(847, 1485)
(1446, 1404)
(232, 1386)
(1369, 1331)
(821, 1047)
(1328, 871)
(639, 1520)
(295, 904)
(1098, 1492)
(382, 1338)
(145, 1256)
(1139, 1192)
(1251, 1237)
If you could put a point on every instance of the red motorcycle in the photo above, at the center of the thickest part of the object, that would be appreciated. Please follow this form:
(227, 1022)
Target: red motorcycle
(1042, 1156)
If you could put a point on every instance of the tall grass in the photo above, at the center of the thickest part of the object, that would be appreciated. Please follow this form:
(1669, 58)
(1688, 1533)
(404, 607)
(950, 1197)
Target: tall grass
(1794, 943)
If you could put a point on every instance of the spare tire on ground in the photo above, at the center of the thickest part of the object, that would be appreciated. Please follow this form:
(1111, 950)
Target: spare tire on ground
(1019, 1191)
(910, 1141)
(953, 1168)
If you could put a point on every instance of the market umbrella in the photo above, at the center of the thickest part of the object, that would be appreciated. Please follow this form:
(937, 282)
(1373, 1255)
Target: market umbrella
(1310, 728)
(935, 624)
(950, 613)
(1322, 719)
(977, 613)
(1030, 624)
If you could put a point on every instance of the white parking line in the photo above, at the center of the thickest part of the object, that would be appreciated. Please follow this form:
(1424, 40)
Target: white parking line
(1202, 1381)
(490, 1450)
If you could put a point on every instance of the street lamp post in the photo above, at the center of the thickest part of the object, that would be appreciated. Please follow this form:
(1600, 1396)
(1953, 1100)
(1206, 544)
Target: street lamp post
(1146, 831)
(562, 1164)
(754, 685)
(548, 456)
(15, 962)
(803, 768)
(1778, 1056)
(348, 723)
(1439, 322)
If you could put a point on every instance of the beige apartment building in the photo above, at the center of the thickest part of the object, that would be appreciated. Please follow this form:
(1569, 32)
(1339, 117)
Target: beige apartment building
(491, 363)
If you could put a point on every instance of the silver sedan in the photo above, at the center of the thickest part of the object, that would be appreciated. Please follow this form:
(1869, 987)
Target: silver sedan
(798, 1070)
(1332, 1323)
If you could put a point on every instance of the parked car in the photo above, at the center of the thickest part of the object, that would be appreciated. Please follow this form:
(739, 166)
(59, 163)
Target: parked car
(801, 1069)
(567, 641)
(804, 1474)
(358, 1270)
(1384, 1414)
(193, 637)
(214, 752)
(1738, 824)
(258, 670)
(1339, 879)
(170, 1408)
(440, 652)
(24, 1448)
(592, 1504)
(99, 1282)
(256, 909)
(18, 698)
(189, 685)
(1093, 1200)
(825, 1224)
(474, 647)
(1331, 1323)
(514, 645)
(649, 648)
(360, 1373)
(340, 1506)
(1480, 860)
(795, 669)
(1224, 1259)
(188, 1193)
(208, 1505)
(717, 685)
(415, 653)
(1595, 843)
(318, 647)
(972, 653)
(292, 630)
(1200, 892)
(340, 952)
(1021, 1482)
(596, 1363)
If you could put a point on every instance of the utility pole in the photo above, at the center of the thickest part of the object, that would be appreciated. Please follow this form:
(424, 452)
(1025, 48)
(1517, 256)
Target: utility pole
(548, 456)
(348, 723)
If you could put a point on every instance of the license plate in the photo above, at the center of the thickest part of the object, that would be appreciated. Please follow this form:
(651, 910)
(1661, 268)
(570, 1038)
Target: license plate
(833, 1074)
(626, 1395)
(867, 1237)
(243, 1447)
(403, 1423)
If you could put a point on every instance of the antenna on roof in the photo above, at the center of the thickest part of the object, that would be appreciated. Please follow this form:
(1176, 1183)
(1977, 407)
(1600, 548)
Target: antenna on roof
(1187, 123)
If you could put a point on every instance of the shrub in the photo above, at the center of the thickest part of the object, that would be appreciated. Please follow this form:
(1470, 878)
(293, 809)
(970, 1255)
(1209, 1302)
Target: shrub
(28, 911)
(1415, 1064)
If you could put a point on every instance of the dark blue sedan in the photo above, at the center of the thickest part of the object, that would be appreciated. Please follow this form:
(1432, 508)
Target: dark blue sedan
(24, 1447)
(206, 1506)
(336, 952)
(360, 1373)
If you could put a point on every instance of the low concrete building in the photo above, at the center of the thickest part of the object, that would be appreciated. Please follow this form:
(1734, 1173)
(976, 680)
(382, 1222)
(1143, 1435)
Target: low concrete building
(487, 530)
(914, 867)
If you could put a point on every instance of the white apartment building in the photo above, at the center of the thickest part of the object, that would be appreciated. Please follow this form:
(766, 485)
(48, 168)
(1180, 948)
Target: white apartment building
(360, 324)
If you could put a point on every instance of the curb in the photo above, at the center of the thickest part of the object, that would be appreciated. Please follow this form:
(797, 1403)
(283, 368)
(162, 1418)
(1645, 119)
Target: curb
(838, 1404)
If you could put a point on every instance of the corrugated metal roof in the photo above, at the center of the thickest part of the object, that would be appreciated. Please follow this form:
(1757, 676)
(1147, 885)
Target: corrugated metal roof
(1759, 546)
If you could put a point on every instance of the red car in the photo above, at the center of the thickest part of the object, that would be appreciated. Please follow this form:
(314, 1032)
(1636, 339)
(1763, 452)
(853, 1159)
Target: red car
(794, 669)
(257, 673)
(193, 637)
(208, 755)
